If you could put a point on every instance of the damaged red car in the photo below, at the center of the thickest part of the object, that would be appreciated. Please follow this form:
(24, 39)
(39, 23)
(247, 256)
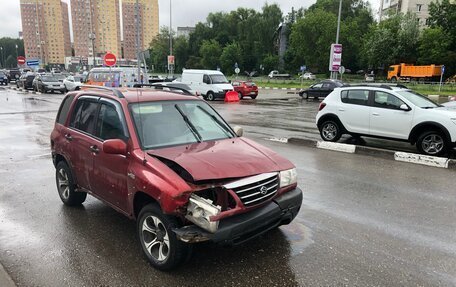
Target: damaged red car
(173, 164)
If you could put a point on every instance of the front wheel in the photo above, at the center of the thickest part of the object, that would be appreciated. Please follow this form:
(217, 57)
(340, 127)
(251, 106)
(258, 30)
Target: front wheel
(432, 143)
(210, 96)
(158, 241)
(66, 186)
(330, 131)
(253, 97)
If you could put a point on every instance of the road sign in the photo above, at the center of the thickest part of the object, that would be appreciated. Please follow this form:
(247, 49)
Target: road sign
(303, 68)
(21, 60)
(110, 59)
(341, 69)
(237, 70)
(170, 60)
(335, 59)
(32, 63)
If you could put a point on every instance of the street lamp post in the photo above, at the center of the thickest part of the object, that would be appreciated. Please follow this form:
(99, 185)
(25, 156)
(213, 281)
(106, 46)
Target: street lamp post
(334, 74)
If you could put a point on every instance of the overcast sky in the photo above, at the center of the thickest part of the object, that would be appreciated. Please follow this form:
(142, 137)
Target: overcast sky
(185, 12)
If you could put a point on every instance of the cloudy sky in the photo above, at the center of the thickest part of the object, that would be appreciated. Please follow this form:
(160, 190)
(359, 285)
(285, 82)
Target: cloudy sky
(185, 12)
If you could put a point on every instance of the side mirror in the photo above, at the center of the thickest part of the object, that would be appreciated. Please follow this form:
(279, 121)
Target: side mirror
(239, 131)
(404, 107)
(115, 146)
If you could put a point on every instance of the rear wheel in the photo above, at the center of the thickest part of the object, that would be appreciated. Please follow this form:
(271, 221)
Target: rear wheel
(66, 186)
(432, 143)
(393, 79)
(330, 131)
(253, 97)
(158, 241)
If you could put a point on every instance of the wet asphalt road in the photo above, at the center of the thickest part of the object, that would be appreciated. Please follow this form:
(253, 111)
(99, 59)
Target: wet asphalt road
(365, 221)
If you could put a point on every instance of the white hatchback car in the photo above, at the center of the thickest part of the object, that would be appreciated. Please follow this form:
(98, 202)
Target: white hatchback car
(388, 112)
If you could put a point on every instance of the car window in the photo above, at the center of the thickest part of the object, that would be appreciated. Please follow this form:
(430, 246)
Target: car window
(317, 86)
(206, 79)
(64, 108)
(355, 97)
(326, 86)
(387, 101)
(84, 116)
(109, 123)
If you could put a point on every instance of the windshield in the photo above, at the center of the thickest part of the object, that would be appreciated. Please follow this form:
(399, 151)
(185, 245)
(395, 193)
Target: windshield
(219, 79)
(418, 100)
(171, 123)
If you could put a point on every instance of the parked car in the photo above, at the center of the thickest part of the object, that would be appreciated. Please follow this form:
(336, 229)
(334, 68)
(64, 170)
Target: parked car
(395, 113)
(25, 81)
(72, 83)
(369, 78)
(245, 89)
(171, 162)
(210, 84)
(49, 83)
(3, 78)
(320, 89)
(14, 75)
(308, 76)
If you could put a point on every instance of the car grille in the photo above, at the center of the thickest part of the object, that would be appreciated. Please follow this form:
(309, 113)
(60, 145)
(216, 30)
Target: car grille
(256, 189)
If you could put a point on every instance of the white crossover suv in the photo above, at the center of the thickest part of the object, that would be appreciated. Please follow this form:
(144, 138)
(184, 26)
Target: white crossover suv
(389, 112)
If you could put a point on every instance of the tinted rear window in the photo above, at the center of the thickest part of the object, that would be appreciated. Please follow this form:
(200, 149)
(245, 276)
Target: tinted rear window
(64, 108)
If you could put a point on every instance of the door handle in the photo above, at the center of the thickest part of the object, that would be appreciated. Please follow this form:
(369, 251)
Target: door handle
(94, 149)
(68, 137)
(375, 114)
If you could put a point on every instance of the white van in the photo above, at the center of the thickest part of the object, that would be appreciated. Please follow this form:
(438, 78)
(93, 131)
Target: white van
(208, 83)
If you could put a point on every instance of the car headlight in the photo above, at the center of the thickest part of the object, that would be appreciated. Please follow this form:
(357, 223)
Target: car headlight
(288, 177)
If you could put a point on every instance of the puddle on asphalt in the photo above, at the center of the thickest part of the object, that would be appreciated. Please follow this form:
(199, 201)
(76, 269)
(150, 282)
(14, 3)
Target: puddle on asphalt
(299, 236)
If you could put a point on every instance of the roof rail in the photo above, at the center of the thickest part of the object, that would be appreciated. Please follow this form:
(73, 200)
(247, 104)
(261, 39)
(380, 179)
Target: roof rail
(159, 86)
(116, 92)
(378, 85)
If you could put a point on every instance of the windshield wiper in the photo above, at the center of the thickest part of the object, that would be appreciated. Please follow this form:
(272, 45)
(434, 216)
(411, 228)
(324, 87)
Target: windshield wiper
(190, 125)
(219, 123)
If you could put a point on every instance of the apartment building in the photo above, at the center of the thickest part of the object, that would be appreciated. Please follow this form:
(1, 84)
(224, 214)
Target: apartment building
(148, 23)
(44, 30)
(419, 7)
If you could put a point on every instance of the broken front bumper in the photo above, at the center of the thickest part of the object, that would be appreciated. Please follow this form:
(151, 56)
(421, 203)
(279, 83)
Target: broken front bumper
(240, 228)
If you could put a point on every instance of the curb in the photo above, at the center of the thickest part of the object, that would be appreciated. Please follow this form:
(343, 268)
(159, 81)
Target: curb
(275, 88)
(25, 91)
(414, 158)
(5, 279)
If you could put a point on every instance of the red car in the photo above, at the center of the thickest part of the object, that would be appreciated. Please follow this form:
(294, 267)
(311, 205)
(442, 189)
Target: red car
(170, 162)
(245, 89)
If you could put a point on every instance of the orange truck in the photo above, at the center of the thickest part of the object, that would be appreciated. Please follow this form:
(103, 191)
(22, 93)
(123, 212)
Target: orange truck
(408, 72)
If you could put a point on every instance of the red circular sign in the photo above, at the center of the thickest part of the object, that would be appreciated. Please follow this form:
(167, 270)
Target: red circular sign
(110, 59)
(21, 60)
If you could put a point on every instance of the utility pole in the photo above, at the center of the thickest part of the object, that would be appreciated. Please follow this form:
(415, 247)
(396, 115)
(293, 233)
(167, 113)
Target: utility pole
(1, 58)
(92, 34)
(37, 25)
(138, 49)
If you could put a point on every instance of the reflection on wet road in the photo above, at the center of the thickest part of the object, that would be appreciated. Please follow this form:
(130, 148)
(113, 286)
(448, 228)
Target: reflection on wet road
(364, 221)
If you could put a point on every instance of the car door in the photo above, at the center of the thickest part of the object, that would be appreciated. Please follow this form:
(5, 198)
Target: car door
(387, 119)
(314, 90)
(82, 141)
(354, 111)
(326, 88)
(109, 177)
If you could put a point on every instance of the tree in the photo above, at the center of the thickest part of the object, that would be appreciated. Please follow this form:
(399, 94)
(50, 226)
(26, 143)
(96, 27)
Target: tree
(433, 46)
(210, 52)
(181, 52)
(8, 53)
(159, 50)
(231, 54)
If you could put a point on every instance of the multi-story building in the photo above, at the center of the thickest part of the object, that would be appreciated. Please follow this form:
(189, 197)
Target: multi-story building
(66, 29)
(148, 23)
(419, 7)
(185, 31)
(44, 31)
(96, 26)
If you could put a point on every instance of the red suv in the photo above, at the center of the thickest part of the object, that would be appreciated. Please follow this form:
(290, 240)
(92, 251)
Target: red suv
(245, 89)
(172, 163)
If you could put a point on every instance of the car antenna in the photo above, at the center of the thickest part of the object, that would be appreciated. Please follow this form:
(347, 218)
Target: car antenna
(141, 130)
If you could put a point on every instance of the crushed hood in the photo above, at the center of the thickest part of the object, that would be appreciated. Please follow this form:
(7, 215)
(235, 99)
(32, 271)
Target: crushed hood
(228, 158)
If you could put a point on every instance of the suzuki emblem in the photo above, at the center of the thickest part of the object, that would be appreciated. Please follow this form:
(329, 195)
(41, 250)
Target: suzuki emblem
(263, 190)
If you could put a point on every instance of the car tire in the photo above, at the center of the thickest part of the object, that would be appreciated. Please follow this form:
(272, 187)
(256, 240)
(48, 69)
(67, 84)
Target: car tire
(240, 96)
(330, 131)
(393, 80)
(66, 186)
(253, 97)
(210, 96)
(158, 241)
(432, 143)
